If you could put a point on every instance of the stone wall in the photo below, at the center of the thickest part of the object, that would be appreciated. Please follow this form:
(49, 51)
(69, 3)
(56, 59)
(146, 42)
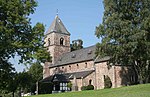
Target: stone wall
(46, 70)
(52, 42)
(75, 67)
(119, 75)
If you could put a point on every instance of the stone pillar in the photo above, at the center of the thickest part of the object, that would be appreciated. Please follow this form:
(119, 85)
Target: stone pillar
(74, 86)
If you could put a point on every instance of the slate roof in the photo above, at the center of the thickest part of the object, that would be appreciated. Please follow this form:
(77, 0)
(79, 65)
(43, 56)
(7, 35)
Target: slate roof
(58, 27)
(84, 54)
(47, 79)
(67, 76)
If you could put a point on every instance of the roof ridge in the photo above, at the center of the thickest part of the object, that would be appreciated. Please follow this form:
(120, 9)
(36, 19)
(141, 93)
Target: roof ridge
(81, 49)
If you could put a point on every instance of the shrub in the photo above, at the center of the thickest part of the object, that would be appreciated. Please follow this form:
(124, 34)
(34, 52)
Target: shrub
(84, 88)
(69, 85)
(107, 82)
(89, 87)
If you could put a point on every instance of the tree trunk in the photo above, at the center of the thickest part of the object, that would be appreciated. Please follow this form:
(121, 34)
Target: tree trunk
(37, 88)
(138, 72)
(13, 94)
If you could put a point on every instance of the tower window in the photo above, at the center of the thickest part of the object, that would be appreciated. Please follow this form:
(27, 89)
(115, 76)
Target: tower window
(49, 41)
(61, 41)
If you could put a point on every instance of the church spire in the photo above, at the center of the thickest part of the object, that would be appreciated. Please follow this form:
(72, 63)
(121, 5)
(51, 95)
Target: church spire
(57, 26)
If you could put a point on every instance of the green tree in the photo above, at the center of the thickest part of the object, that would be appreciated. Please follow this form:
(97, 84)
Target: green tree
(24, 80)
(18, 37)
(76, 44)
(36, 71)
(125, 35)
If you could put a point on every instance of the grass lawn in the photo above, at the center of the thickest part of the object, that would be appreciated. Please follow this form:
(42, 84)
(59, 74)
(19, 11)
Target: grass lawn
(128, 91)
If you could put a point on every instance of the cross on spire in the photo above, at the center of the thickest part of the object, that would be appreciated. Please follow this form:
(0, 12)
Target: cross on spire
(57, 12)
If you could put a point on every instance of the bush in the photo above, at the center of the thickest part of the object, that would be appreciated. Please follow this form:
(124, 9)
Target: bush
(69, 85)
(107, 82)
(84, 88)
(89, 87)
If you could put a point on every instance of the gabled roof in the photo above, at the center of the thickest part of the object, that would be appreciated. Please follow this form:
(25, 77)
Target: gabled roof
(84, 54)
(67, 76)
(57, 27)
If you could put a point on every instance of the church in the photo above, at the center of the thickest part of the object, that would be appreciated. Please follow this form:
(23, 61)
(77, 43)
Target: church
(80, 67)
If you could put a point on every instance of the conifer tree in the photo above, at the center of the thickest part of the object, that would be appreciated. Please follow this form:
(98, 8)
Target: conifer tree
(125, 35)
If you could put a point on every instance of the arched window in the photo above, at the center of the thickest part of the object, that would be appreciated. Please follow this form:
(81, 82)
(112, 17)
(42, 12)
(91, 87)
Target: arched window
(49, 41)
(69, 67)
(90, 82)
(61, 41)
(77, 66)
(85, 65)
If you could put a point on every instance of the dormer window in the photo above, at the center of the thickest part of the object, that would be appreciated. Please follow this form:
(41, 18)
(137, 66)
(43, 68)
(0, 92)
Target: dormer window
(90, 52)
(49, 41)
(73, 55)
(61, 41)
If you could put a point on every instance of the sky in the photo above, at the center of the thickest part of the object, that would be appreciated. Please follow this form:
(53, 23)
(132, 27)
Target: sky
(80, 17)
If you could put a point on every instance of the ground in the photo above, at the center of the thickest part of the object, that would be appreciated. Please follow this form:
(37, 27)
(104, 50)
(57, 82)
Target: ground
(128, 91)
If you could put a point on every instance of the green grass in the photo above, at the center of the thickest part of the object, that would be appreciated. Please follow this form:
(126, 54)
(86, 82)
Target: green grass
(129, 91)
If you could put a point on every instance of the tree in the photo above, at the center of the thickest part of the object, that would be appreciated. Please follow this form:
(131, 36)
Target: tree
(125, 35)
(24, 80)
(18, 37)
(76, 44)
(36, 71)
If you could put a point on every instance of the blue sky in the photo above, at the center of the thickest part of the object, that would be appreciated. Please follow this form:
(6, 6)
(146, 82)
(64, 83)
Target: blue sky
(80, 17)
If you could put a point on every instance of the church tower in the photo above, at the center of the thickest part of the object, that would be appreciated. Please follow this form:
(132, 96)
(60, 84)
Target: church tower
(57, 39)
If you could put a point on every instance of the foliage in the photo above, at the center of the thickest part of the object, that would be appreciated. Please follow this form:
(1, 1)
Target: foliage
(11, 83)
(7, 73)
(18, 37)
(125, 35)
(84, 88)
(89, 87)
(45, 88)
(69, 85)
(24, 81)
(76, 44)
(36, 71)
(130, 91)
(107, 82)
